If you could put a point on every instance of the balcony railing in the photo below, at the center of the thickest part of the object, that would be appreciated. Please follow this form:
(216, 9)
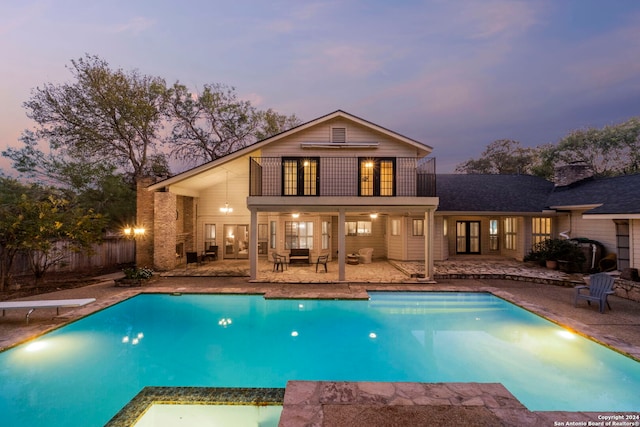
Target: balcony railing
(338, 176)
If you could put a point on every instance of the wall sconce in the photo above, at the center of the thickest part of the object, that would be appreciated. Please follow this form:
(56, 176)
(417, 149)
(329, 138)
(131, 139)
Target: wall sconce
(133, 232)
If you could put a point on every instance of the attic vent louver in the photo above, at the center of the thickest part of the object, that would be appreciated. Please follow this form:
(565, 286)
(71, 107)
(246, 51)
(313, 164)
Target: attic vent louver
(339, 135)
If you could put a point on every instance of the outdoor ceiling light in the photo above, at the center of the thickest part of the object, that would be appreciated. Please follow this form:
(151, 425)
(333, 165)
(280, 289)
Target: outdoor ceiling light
(295, 215)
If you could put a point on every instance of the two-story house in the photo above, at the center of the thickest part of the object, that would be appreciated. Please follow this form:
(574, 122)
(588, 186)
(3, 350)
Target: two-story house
(333, 185)
(339, 183)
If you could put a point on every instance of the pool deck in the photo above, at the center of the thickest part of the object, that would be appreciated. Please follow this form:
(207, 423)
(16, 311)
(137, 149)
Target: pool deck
(546, 292)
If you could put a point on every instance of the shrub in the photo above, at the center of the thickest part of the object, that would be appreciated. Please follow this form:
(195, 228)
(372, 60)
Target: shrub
(138, 273)
(556, 250)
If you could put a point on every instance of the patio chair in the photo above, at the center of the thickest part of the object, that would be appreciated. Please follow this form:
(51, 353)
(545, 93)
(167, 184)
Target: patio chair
(279, 262)
(600, 287)
(212, 253)
(192, 258)
(322, 260)
(365, 255)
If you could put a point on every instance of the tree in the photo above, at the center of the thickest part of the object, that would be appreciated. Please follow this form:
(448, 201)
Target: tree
(272, 123)
(210, 124)
(108, 115)
(612, 150)
(92, 183)
(11, 233)
(38, 222)
(504, 156)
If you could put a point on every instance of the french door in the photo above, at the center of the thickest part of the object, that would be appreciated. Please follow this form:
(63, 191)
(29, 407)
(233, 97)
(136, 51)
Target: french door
(468, 237)
(236, 241)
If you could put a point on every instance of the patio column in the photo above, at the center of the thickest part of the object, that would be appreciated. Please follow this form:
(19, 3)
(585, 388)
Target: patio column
(253, 245)
(428, 244)
(342, 252)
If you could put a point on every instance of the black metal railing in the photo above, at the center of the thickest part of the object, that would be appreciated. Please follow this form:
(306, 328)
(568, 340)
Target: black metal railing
(338, 176)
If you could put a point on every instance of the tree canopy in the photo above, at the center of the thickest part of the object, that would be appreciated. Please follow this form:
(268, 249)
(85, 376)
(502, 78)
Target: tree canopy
(96, 135)
(108, 115)
(611, 150)
(504, 156)
(215, 122)
(40, 223)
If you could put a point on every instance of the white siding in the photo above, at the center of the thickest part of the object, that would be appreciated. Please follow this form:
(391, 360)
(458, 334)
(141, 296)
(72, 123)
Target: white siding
(395, 244)
(601, 230)
(375, 241)
(322, 134)
(415, 244)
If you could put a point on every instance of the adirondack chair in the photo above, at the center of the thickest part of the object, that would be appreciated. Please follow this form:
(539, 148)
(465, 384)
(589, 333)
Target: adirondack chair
(600, 287)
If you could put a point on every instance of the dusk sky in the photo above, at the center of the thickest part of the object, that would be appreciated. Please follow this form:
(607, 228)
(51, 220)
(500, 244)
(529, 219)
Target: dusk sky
(455, 75)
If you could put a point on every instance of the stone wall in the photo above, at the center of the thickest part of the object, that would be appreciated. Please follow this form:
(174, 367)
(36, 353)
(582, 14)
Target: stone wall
(627, 289)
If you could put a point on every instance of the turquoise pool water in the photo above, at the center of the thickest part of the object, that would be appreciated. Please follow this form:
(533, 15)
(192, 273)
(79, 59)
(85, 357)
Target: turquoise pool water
(82, 374)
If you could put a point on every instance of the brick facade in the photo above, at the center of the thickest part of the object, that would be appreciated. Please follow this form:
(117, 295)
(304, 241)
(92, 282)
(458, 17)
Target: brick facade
(144, 218)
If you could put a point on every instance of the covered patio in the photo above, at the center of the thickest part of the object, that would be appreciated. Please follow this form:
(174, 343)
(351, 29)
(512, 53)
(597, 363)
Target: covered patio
(379, 271)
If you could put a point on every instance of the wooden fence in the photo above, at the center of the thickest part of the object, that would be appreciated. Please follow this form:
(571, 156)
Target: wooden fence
(112, 252)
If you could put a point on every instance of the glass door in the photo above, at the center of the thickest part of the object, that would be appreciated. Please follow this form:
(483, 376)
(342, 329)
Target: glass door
(236, 241)
(468, 237)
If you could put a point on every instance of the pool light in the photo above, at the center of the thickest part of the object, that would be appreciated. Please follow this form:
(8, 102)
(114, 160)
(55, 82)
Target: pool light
(36, 346)
(224, 322)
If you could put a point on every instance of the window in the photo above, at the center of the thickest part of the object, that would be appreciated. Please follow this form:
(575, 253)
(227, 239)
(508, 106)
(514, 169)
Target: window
(209, 235)
(210, 232)
(300, 176)
(395, 227)
(377, 177)
(540, 230)
(339, 135)
(418, 227)
(298, 235)
(358, 228)
(494, 240)
(272, 235)
(510, 233)
(623, 243)
(325, 234)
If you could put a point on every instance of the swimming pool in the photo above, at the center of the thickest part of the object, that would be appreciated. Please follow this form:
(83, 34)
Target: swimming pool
(84, 373)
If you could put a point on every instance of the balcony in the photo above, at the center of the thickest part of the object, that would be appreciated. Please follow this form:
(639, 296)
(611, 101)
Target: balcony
(340, 177)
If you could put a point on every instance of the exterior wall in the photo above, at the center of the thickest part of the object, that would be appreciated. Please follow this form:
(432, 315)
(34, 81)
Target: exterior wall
(601, 230)
(415, 244)
(395, 244)
(322, 134)
(448, 246)
(441, 242)
(164, 237)
(145, 218)
(230, 186)
(375, 241)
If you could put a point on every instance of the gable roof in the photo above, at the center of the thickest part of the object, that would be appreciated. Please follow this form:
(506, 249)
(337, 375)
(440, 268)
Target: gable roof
(492, 193)
(422, 148)
(607, 196)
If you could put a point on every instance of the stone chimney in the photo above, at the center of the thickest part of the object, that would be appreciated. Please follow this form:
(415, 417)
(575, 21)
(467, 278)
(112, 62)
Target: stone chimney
(570, 173)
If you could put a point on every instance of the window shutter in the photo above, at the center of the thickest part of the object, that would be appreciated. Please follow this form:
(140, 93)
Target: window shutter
(339, 135)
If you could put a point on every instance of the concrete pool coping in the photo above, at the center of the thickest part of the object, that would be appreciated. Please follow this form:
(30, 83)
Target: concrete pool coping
(618, 329)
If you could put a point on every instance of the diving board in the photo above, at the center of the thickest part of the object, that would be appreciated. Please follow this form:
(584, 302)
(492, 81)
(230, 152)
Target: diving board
(32, 305)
